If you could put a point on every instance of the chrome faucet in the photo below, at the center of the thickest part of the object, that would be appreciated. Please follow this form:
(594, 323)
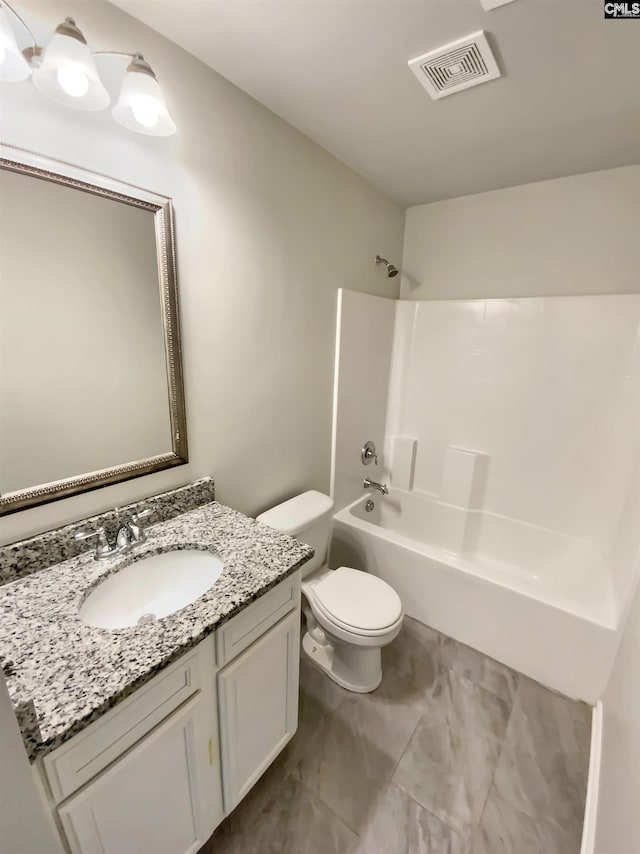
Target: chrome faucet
(367, 483)
(104, 549)
(135, 529)
(128, 535)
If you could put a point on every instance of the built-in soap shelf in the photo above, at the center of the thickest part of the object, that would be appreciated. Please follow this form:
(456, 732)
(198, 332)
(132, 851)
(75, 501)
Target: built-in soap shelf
(459, 501)
(400, 460)
(464, 478)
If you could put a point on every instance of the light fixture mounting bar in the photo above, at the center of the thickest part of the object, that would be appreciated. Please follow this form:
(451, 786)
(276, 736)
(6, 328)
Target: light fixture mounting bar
(36, 48)
(115, 53)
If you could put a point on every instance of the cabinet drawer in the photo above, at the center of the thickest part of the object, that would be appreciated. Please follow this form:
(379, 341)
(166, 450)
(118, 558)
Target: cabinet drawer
(255, 620)
(86, 754)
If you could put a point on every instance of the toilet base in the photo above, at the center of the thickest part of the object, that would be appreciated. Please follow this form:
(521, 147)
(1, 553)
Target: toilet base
(356, 668)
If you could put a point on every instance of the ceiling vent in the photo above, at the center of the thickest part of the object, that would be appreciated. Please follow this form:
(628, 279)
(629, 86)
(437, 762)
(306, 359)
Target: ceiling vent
(453, 67)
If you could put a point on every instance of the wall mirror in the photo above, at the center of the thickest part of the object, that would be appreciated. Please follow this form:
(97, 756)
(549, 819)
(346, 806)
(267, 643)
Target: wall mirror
(91, 388)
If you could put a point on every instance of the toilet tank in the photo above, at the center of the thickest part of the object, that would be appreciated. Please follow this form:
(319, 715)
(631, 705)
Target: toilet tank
(308, 518)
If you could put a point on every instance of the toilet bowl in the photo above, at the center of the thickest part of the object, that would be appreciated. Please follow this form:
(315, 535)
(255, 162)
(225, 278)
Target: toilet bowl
(350, 614)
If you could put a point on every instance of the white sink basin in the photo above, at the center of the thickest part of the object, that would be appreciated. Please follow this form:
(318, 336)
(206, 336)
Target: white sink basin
(149, 588)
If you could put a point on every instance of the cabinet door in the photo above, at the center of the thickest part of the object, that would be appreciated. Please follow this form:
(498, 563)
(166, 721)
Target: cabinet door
(160, 797)
(258, 699)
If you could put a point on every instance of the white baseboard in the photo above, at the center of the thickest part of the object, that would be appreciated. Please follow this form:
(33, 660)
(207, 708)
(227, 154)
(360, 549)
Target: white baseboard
(591, 805)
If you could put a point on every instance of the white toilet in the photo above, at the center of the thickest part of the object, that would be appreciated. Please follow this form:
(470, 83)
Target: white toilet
(350, 614)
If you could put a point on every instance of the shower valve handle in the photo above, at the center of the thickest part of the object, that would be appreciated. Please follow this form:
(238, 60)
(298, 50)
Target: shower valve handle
(369, 453)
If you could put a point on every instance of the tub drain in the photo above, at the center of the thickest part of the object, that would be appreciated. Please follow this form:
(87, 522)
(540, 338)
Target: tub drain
(146, 618)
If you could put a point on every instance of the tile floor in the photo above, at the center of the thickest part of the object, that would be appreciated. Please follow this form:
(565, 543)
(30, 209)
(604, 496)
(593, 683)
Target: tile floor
(453, 754)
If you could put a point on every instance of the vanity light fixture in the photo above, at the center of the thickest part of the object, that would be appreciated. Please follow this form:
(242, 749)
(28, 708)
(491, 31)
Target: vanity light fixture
(141, 105)
(66, 72)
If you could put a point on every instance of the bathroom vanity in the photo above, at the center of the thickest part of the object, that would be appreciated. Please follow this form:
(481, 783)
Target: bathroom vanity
(142, 739)
(162, 769)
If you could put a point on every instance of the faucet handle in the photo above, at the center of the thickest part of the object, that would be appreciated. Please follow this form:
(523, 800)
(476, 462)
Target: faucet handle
(369, 453)
(137, 531)
(87, 534)
(135, 517)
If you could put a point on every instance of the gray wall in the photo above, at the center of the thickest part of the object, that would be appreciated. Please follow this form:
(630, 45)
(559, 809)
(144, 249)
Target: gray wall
(269, 226)
(566, 237)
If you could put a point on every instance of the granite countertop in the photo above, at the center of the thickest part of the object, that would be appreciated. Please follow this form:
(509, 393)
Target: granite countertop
(63, 674)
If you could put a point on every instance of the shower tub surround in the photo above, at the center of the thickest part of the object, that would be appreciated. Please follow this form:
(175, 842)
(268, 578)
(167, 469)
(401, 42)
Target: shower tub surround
(63, 674)
(511, 435)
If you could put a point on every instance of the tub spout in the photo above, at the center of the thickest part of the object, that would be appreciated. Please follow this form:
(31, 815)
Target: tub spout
(367, 483)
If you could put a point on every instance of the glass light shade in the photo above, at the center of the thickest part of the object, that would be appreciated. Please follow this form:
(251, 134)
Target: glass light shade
(13, 65)
(68, 75)
(141, 106)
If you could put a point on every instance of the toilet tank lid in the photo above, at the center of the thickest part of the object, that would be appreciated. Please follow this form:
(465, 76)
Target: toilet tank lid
(297, 513)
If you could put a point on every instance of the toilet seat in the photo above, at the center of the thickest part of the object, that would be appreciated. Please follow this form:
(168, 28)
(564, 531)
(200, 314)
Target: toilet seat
(350, 615)
(356, 602)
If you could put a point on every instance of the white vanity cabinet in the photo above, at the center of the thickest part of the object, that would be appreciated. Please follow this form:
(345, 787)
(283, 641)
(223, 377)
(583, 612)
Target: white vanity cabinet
(259, 652)
(148, 776)
(145, 777)
(258, 700)
(158, 798)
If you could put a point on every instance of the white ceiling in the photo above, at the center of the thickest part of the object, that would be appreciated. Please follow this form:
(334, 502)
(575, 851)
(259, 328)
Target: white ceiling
(569, 100)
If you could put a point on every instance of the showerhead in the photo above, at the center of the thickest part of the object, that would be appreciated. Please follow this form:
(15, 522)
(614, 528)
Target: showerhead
(391, 270)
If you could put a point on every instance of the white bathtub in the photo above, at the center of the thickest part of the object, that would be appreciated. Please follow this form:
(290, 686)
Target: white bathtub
(537, 600)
